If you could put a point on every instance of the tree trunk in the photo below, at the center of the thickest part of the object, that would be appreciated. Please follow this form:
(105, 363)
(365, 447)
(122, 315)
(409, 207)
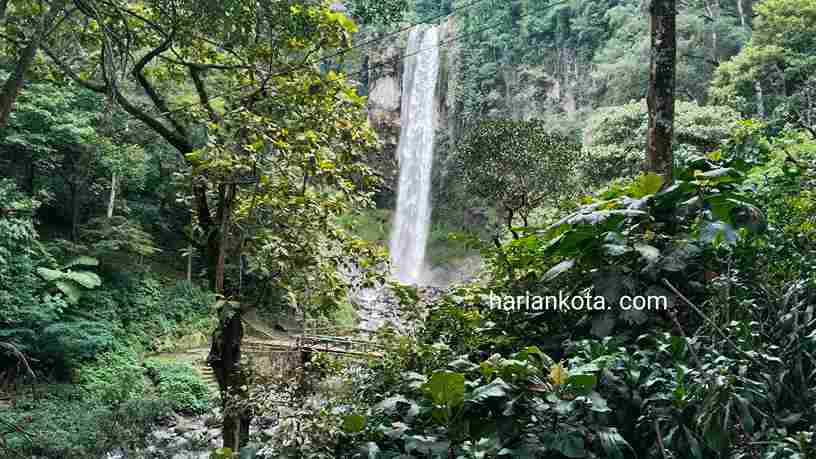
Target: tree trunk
(190, 263)
(659, 158)
(112, 199)
(75, 207)
(225, 351)
(31, 176)
(14, 82)
(713, 8)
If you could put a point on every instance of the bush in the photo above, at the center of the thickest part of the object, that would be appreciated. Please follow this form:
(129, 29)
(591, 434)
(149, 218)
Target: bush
(103, 379)
(63, 426)
(180, 384)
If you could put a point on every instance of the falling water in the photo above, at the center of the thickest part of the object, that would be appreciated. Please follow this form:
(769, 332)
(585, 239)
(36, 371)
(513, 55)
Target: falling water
(415, 152)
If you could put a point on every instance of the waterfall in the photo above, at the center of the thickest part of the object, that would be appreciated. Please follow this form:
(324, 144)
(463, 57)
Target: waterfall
(415, 152)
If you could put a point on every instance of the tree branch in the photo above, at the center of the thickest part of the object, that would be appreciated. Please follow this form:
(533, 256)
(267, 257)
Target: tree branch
(195, 74)
(161, 105)
(179, 142)
(202, 66)
(66, 69)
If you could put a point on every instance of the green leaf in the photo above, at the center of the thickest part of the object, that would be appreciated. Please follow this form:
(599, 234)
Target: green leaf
(446, 388)
(598, 403)
(582, 382)
(569, 444)
(613, 443)
(646, 184)
(83, 260)
(72, 293)
(370, 450)
(49, 274)
(496, 389)
(724, 174)
(426, 444)
(353, 423)
(86, 279)
(463, 365)
(535, 356)
(397, 405)
(615, 250)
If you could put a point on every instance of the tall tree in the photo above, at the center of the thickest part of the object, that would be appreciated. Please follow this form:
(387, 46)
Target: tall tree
(660, 99)
(34, 24)
(272, 158)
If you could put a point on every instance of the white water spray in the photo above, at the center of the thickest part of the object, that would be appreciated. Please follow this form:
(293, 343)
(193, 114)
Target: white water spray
(415, 151)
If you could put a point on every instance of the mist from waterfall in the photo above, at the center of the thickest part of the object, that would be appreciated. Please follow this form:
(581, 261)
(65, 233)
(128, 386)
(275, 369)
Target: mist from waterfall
(409, 235)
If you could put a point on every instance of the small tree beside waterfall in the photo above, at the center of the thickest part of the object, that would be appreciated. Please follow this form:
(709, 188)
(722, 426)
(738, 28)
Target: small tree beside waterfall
(516, 167)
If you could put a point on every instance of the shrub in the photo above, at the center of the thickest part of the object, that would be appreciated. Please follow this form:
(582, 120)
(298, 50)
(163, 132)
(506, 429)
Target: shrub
(104, 379)
(181, 385)
(61, 425)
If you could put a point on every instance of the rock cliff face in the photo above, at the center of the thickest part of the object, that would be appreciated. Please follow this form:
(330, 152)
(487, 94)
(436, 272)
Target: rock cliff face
(384, 97)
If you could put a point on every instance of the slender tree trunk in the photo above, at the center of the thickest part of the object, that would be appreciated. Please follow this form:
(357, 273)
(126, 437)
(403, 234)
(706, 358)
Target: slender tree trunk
(75, 208)
(190, 263)
(225, 352)
(112, 198)
(31, 176)
(659, 158)
(14, 83)
(713, 10)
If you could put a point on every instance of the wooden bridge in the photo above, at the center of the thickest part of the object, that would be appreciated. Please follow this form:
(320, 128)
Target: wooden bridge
(314, 343)
(275, 352)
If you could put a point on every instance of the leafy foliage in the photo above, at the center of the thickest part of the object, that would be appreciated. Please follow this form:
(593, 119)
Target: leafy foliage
(514, 165)
(180, 385)
(614, 137)
(768, 78)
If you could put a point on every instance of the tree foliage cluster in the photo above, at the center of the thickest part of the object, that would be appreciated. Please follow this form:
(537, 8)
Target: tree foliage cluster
(152, 127)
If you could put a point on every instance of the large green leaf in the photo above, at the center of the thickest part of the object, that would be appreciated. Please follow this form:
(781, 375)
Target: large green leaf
(646, 184)
(496, 389)
(49, 274)
(353, 423)
(84, 278)
(446, 388)
(613, 443)
(72, 293)
(584, 383)
(83, 260)
(569, 444)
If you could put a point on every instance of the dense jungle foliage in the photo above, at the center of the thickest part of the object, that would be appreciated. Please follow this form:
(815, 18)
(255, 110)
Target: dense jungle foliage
(182, 179)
